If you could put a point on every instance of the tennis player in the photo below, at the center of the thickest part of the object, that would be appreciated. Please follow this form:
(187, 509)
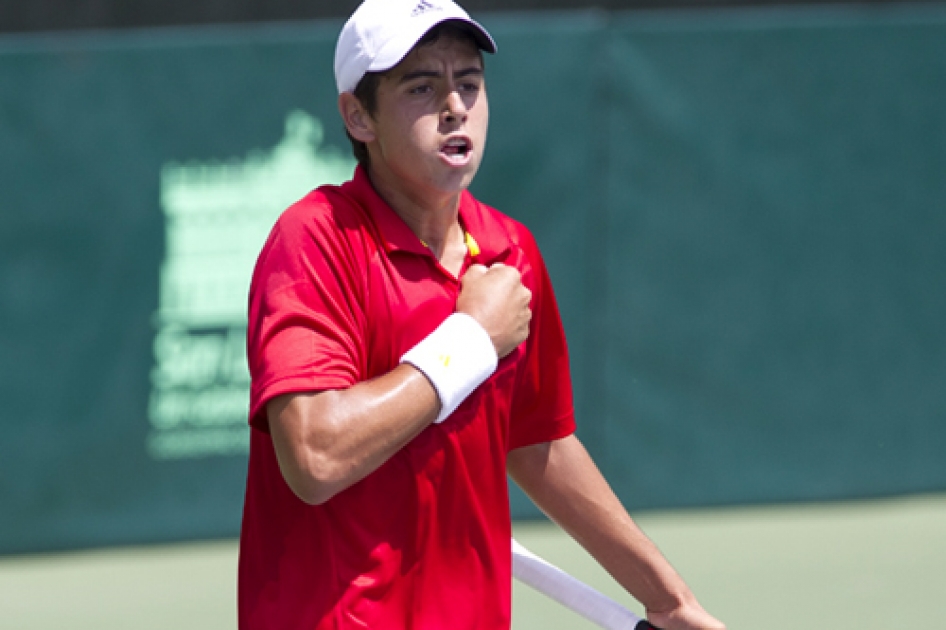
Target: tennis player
(406, 352)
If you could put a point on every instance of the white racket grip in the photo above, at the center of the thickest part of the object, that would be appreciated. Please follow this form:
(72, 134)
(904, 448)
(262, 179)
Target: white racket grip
(572, 593)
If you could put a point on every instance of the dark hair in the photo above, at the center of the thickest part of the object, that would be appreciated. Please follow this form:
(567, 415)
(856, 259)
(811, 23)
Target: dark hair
(366, 91)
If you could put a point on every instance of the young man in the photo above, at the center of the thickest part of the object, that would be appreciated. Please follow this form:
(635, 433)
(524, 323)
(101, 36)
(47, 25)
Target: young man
(406, 352)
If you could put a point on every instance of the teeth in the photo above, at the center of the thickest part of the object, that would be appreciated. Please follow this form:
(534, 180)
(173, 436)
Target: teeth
(456, 147)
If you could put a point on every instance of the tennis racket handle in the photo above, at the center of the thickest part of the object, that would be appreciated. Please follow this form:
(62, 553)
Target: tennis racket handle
(645, 625)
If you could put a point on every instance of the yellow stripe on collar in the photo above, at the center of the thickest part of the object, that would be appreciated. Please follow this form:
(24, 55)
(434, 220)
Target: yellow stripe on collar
(471, 244)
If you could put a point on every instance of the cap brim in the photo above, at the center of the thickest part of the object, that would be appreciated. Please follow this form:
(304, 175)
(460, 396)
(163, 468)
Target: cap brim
(482, 37)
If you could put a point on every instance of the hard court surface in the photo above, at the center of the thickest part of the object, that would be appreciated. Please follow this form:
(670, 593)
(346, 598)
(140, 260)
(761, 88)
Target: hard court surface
(858, 565)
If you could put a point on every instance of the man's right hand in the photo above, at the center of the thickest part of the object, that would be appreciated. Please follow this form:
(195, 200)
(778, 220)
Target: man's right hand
(499, 302)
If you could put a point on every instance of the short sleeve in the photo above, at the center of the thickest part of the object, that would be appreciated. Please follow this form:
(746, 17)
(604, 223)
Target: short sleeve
(305, 320)
(542, 406)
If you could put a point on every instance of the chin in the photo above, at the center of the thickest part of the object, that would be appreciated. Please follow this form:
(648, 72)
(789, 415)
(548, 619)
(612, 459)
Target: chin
(464, 174)
(457, 182)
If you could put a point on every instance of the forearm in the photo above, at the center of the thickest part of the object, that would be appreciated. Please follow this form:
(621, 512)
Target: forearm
(327, 441)
(564, 482)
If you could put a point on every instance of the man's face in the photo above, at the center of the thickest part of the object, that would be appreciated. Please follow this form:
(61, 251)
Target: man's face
(431, 119)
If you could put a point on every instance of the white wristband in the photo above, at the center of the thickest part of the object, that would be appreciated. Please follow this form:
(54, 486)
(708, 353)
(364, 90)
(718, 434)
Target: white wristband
(456, 357)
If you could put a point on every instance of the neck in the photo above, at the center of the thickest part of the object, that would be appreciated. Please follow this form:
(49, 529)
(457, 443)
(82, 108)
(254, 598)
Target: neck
(433, 217)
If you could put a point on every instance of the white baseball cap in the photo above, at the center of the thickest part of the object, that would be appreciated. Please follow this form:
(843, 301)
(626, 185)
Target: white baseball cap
(380, 33)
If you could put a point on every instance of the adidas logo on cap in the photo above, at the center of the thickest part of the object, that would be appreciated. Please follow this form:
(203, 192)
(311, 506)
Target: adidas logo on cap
(423, 7)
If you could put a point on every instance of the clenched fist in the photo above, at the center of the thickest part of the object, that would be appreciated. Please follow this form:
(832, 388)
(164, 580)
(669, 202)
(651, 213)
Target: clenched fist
(497, 299)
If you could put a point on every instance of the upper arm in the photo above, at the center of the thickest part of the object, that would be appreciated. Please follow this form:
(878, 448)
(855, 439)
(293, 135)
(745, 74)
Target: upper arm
(299, 423)
(557, 475)
(527, 464)
(306, 322)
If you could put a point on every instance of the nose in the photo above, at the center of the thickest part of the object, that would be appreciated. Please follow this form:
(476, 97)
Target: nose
(454, 109)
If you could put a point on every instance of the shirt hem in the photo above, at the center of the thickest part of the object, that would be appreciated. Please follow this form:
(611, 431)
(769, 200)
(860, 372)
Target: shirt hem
(564, 426)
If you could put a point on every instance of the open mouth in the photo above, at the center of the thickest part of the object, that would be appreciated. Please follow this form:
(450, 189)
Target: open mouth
(457, 149)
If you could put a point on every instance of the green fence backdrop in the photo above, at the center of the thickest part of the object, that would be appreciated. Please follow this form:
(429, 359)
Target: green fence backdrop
(743, 213)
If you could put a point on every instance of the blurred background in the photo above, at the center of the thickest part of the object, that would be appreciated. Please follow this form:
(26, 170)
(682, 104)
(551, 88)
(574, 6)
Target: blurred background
(742, 206)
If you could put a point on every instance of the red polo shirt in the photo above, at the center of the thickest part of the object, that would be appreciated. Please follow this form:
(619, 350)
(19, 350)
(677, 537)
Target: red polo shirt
(341, 290)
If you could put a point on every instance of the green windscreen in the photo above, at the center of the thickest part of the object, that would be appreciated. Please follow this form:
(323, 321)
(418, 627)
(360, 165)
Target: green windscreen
(742, 214)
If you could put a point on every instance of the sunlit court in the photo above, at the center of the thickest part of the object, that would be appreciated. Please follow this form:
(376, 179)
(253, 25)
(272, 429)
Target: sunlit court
(868, 565)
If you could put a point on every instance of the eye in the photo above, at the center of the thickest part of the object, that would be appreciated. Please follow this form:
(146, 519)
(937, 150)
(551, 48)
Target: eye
(422, 88)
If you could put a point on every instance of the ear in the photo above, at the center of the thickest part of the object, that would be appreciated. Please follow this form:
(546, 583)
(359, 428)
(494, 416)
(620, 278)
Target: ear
(356, 118)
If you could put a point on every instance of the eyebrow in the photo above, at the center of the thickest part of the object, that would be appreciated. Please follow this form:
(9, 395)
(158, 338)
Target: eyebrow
(433, 74)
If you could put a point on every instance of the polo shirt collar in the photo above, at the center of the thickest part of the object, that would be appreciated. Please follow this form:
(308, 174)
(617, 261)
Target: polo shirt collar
(395, 233)
(482, 224)
(489, 234)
